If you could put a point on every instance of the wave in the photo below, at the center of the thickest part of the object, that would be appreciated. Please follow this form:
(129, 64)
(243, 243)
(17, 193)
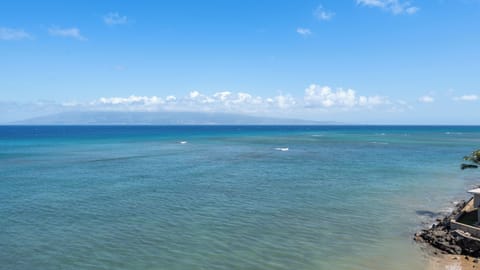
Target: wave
(183, 142)
(283, 149)
(119, 158)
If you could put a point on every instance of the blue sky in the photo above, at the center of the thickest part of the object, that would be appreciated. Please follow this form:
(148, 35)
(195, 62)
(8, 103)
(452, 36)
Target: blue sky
(354, 61)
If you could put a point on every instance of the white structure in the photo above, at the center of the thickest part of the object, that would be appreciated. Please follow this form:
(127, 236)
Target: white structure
(476, 200)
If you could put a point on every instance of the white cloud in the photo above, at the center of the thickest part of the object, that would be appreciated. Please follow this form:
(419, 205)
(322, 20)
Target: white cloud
(196, 97)
(304, 31)
(372, 101)
(242, 97)
(315, 98)
(426, 99)
(412, 10)
(223, 96)
(240, 102)
(324, 96)
(374, 3)
(282, 101)
(135, 100)
(393, 6)
(13, 34)
(194, 94)
(113, 18)
(171, 98)
(322, 14)
(66, 32)
(466, 98)
(224, 101)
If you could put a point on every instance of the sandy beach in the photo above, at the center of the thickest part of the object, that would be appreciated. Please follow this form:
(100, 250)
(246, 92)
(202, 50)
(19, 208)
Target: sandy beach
(452, 262)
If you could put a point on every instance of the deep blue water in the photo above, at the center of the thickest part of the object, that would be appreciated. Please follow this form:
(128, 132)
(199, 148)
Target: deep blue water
(134, 197)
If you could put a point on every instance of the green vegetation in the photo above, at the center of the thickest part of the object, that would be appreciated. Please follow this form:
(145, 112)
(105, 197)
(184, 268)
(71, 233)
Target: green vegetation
(473, 158)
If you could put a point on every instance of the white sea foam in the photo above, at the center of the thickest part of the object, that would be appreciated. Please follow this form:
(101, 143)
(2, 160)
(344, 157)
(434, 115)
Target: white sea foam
(383, 143)
(183, 142)
(283, 149)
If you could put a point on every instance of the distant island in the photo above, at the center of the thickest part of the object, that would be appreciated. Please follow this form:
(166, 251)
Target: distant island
(161, 118)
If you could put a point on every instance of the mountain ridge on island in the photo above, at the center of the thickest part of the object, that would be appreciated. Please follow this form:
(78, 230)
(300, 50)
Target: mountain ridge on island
(161, 118)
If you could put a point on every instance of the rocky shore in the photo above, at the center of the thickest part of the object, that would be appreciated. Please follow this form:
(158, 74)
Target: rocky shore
(448, 241)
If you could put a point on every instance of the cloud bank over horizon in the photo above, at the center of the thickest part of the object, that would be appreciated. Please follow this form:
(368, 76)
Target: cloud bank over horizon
(315, 97)
(316, 101)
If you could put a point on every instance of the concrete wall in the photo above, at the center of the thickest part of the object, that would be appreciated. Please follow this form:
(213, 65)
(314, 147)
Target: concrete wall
(473, 231)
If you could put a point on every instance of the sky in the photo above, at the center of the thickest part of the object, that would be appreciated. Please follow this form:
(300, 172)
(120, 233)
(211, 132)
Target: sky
(351, 61)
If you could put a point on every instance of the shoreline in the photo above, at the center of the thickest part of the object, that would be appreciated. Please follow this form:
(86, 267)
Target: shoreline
(452, 262)
(443, 247)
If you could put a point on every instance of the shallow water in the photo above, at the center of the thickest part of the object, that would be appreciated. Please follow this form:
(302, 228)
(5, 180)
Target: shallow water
(333, 197)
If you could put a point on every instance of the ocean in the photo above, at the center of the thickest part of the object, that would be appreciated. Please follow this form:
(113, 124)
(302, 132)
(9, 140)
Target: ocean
(226, 197)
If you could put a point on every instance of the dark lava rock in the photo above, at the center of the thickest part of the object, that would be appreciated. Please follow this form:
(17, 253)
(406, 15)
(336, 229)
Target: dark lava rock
(443, 238)
(468, 166)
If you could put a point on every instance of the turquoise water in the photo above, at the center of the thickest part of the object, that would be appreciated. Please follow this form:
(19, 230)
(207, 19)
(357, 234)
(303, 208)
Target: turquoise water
(228, 198)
